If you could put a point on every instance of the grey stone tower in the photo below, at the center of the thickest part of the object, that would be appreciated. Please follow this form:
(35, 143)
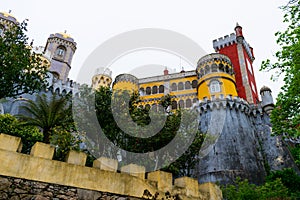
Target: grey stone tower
(60, 48)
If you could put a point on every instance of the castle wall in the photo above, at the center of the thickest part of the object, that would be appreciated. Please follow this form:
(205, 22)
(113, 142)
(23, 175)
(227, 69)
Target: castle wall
(235, 151)
(131, 182)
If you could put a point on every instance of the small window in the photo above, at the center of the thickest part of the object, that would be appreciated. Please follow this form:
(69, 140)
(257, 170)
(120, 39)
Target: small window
(188, 103)
(188, 85)
(174, 87)
(148, 90)
(161, 89)
(60, 51)
(180, 86)
(142, 92)
(194, 83)
(214, 68)
(154, 90)
(181, 104)
(214, 87)
(195, 100)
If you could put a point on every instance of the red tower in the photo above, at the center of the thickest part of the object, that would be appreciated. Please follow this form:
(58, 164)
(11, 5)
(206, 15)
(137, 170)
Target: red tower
(241, 56)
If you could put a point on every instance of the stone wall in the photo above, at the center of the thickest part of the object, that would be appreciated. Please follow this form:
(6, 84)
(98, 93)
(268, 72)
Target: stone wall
(41, 171)
(21, 189)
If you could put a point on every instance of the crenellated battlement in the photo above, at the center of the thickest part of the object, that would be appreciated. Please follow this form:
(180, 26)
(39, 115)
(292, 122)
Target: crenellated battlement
(103, 176)
(59, 86)
(227, 40)
(231, 103)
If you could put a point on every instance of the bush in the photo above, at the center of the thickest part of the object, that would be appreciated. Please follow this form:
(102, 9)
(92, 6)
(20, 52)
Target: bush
(28, 134)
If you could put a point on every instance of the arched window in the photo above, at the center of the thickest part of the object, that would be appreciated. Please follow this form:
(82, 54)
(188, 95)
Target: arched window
(1, 29)
(60, 51)
(174, 105)
(214, 68)
(181, 104)
(188, 103)
(174, 87)
(180, 86)
(221, 67)
(194, 83)
(142, 91)
(214, 87)
(161, 89)
(154, 90)
(148, 90)
(207, 69)
(187, 85)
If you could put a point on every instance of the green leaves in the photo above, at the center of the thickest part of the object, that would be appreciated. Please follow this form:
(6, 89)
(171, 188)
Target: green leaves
(286, 115)
(21, 70)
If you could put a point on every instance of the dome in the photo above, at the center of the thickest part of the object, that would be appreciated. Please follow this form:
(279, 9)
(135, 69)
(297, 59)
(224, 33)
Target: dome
(8, 16)
(65, 35)
(264, 89)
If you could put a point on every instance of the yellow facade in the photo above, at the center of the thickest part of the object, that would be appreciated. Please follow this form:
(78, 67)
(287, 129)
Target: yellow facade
(213, 78)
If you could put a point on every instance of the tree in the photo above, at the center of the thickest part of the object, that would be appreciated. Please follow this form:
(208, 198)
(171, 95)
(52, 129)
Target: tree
(286, 115)
(28, 134)
(22, 71)
(47, 114)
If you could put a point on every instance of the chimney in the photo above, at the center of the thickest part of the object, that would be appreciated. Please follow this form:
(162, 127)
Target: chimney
(166, 71)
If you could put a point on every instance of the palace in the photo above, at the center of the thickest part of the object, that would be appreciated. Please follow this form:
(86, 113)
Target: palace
(222, 84)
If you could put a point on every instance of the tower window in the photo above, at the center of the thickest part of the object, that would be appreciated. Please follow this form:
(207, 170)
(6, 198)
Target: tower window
(194, 83)
(214, 87)
(60, 51)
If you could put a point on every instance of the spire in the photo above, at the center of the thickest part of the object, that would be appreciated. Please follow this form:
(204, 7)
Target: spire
(238, 32)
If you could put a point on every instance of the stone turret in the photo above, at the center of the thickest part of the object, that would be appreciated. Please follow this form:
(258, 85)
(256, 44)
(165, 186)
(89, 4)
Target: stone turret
(231, 149)
(102, 77)
(126, 82)
(267, 99)
(61, 48)
(215, 77)
(6, 21)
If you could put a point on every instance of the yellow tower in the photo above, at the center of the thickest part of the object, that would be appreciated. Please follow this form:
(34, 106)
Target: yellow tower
(215, 77)
(102, 78)
(126, 82)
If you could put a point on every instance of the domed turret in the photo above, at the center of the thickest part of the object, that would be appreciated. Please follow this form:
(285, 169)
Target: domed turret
(102, 77)
(267, 99)
(60, 48)
(215, 77)
(126, 82)
(6, 21)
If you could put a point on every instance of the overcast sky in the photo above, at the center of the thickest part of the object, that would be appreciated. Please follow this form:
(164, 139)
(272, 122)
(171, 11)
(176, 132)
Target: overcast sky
(93, 22)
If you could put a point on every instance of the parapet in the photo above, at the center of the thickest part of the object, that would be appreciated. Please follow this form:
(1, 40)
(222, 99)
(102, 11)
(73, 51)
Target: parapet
(231, 103)
(222, 42)
(39, 166)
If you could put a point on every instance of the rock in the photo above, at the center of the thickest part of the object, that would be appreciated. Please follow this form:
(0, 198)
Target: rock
(39, 197)
(4, 184)
(20, 191)
(15, 198)
(3, 196)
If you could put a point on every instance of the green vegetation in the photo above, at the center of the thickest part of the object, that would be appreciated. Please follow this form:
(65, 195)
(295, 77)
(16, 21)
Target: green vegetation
(286, 115)
(12, 126)
(21, 70)
(48, 114)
